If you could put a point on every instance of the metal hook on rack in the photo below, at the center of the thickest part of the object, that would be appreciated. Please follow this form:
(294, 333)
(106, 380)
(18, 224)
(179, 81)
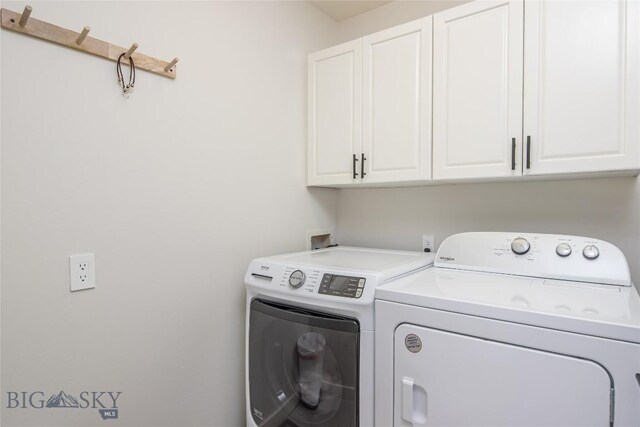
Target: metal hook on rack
(83, 35)
(25, 16)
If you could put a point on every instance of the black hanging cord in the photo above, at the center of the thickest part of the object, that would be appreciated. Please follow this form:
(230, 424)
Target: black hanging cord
(132, 74)
(119, 71)
(133, 67)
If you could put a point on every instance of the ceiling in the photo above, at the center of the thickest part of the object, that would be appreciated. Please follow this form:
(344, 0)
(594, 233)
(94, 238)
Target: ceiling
(340, 10)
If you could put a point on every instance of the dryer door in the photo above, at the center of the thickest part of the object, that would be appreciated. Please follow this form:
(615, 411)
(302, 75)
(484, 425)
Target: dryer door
(442, 378)
(303, 367)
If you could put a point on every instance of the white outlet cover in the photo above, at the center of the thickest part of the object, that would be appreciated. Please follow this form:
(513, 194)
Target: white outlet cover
(82, 272)
(429, 241)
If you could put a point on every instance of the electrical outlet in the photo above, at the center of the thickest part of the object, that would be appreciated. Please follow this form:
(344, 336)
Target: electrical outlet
(428, 243)
(82, 272)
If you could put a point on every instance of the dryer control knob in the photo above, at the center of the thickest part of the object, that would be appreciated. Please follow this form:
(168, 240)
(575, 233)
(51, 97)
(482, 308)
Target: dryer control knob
(520, 245)
(591, 252)
(563, 249)
(296, 279)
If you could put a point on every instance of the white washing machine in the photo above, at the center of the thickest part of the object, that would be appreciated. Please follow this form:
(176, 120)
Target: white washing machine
(511, 329)
(309, 336)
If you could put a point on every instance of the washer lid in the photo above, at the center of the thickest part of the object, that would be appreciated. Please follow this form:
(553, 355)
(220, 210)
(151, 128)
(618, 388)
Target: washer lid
(586, 308)
(386, 263)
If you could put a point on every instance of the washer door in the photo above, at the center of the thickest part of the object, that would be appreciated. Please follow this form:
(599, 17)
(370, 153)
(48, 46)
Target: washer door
(303, 367)
(447, 379)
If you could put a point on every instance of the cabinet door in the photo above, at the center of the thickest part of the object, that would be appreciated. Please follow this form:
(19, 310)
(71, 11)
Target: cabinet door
(397, 103)
(581, 86)
(477, 90)
(335, 114)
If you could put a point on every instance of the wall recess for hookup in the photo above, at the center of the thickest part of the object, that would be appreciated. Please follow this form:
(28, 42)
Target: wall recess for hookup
(82, 274)
(319, 238)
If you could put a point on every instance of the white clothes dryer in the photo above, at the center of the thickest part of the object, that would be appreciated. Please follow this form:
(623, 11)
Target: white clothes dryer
(511, 329)
(309, 334)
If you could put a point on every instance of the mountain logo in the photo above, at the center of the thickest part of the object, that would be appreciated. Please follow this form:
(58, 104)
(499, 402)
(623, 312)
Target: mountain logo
(62, 400)
(106, 402)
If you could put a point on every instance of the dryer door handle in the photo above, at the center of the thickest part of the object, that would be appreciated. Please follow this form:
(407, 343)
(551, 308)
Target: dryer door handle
(414, 402)
(407, 399)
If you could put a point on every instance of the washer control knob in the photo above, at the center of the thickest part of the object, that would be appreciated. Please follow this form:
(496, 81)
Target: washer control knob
(591, 252)
(296, 279)
(520, 245)
(563, 249)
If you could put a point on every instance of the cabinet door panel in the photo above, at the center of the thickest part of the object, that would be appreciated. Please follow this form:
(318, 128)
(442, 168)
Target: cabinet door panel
(581, 85)
(397, 103)
(335, 113)
(477, 90)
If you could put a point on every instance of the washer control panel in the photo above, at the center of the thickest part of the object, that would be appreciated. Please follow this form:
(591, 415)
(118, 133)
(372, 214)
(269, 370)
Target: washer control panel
(342, 286)
(296, 279)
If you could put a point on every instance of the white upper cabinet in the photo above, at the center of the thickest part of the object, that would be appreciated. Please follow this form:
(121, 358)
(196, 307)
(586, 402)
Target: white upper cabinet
(335, 114)
(397, 104)
(581, 90)
(491, 89)
(477, 90)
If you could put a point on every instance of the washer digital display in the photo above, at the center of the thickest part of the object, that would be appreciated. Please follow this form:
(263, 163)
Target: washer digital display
(342, 286)
(339, 283)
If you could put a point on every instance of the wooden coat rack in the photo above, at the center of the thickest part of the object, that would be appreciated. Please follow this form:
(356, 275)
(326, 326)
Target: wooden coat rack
(24, 24)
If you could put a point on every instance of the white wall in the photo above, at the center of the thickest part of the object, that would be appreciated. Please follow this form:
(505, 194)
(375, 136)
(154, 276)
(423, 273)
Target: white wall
(174, 190)
(397, 217)
(608, 209)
